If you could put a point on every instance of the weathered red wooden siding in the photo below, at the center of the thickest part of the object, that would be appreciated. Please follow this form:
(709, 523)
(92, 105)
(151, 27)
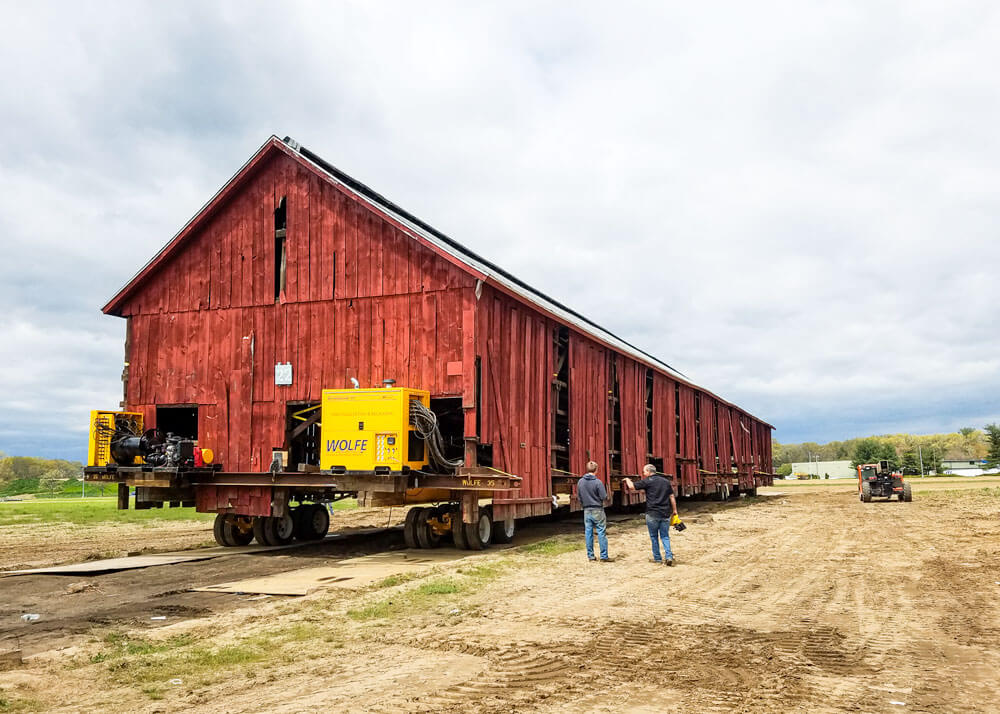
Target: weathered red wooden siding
(632, 392)
(665, 422)
(588, 405)
(707, 433)
(724, 439)
(516, 364)
(362, 300)
(689, 449)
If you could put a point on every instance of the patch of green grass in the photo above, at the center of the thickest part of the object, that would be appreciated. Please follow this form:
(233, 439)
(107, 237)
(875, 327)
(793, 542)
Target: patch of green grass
(150, 665)
(485, 572)
(89, 511)
(553, 546)
(419, 598)
(399, 579)
(952, 493)
(154, 693)
(8, 704)
(467, 580)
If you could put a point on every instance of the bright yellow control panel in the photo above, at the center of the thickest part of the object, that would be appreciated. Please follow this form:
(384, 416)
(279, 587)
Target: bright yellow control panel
(369, 429)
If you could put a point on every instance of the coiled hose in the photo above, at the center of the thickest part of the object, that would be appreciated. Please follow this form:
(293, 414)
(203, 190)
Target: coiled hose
(425, 423)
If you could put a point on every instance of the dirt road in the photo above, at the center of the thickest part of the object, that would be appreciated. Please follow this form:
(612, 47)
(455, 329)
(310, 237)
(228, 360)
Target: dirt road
(808, 601)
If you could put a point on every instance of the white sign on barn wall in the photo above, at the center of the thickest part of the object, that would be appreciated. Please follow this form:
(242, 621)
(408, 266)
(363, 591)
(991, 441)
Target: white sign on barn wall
(283, 374)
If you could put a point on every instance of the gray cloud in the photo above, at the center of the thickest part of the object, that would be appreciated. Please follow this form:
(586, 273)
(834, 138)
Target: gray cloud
(795, 204)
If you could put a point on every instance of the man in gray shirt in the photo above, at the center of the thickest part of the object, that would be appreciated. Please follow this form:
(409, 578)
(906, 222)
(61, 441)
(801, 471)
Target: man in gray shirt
(592, 495)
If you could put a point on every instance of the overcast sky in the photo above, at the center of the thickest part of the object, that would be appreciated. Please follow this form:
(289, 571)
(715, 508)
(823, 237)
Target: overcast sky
(796, 204)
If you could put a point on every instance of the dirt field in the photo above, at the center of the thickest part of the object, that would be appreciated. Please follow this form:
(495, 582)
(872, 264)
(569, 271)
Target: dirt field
(804, 601)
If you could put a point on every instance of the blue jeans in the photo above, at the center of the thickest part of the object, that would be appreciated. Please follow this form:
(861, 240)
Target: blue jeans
(594, 519)
(659, 529)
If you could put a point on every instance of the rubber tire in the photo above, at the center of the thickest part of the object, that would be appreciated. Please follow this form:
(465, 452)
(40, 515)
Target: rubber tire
(458, 530)
(312, 522)
(866, 492)
(503, 531)
(283, 528)
(221, 531)
(410, 528)
(907, 492)
(477, 535)
(426, 537)
(260, 530)
(268, 530)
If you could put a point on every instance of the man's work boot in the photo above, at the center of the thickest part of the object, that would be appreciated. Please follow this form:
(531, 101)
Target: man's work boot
(669, 562)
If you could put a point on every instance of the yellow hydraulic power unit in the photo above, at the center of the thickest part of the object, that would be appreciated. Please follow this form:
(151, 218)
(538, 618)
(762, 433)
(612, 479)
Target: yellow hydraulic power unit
(103, 427)
(371, 430)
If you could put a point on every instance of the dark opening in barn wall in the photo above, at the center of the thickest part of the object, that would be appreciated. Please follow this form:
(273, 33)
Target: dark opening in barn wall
(451, 421)
(677, 421)
(715, 434)
(697, 432)
(560, 400)
(181, 420)
(614, 416)
(302, 434)
(479, 399)
(280, 226)
(649, 418)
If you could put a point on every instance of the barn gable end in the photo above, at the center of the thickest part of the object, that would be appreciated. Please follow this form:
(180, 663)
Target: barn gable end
(362, 300)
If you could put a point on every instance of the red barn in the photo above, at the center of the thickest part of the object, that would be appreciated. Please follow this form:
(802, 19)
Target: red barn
(295, 264)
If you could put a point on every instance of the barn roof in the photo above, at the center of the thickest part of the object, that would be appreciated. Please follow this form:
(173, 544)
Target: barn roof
(481, 267)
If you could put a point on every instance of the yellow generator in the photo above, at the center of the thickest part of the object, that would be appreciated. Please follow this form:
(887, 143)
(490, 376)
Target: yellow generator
(371, 429)
(103, 427)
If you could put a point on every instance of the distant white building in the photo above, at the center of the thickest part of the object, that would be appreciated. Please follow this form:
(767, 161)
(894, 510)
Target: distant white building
(835, 469)
(966, 467)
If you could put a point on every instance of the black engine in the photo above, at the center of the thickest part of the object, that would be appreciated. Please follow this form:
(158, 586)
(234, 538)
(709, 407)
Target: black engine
(155, 448)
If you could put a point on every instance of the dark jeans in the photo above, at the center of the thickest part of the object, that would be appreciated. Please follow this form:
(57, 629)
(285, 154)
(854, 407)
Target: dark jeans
(659, 529)
(595, 520)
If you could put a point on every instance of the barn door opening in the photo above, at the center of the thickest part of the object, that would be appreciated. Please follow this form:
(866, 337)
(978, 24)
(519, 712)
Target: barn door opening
(302, 436)
(560, 401)
(715, 435)
(697, 432)
(451, 422)
(280, 260)
(649, 420)
(614, 417)
(179, 420)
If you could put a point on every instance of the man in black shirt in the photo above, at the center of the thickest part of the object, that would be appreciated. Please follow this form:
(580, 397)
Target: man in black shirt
(660, 505)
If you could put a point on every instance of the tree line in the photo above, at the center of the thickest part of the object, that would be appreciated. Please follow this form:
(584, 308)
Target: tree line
(903, 451)
(28, 474)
